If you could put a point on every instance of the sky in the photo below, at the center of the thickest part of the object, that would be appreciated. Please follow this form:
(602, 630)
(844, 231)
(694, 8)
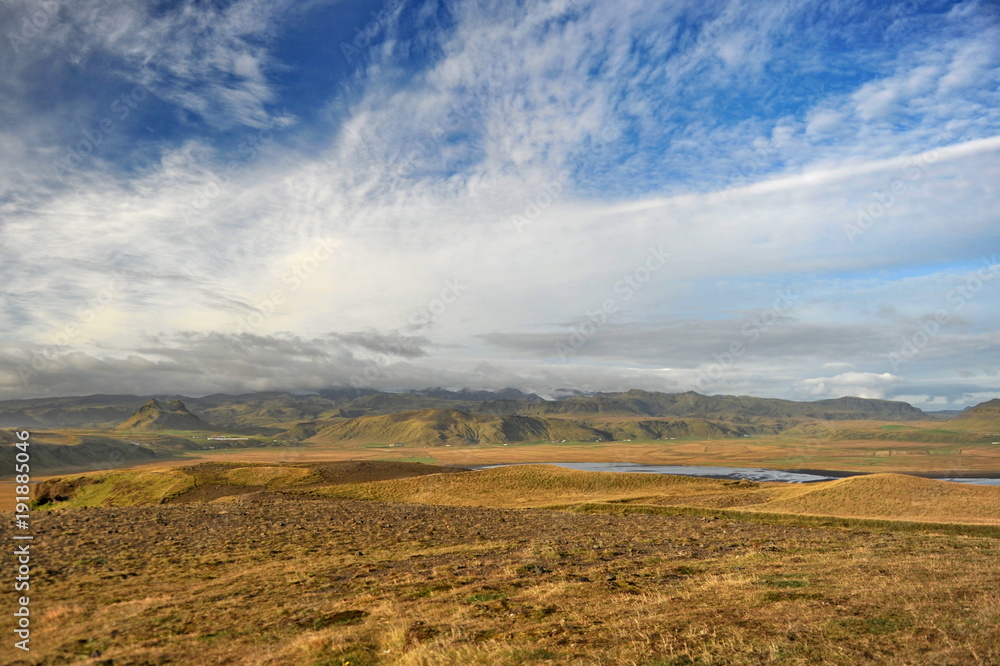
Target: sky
(792, 199)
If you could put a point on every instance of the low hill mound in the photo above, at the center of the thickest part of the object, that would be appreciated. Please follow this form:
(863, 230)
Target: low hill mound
(891, 496)
(527, 486)
(879, 496)
(124, 488)
(156, 415)
(214, 481)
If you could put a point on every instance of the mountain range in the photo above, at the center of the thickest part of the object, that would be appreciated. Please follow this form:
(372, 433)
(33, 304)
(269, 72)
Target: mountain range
(283, 409)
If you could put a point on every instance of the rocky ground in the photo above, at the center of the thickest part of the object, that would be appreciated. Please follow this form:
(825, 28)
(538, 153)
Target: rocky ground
(271, 578)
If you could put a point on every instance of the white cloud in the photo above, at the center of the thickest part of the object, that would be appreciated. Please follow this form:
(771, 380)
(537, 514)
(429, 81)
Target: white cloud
(860, 384)
(418, 183)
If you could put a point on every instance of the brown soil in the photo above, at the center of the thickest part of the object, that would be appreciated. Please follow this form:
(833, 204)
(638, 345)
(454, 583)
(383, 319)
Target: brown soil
(292, 580)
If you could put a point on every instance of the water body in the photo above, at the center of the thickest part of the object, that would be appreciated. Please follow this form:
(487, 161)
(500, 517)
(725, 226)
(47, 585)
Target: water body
(750, 473)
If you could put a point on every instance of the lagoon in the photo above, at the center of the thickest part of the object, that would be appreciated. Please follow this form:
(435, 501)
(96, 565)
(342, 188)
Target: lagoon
(749, 473)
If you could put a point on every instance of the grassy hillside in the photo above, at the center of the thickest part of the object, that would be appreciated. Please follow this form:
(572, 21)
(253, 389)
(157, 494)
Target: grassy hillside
(983, 418)
(156, 415)
(269, 409)
(458, 428)
(726, 407)
(213, 481)
(526, 486)
(72, 412)
(883, 496)
(929, 431)
(648, 429)
(61, 452)
(124, 488)
(893, 496)
(876, 496)
(449, 426)
(274, 409)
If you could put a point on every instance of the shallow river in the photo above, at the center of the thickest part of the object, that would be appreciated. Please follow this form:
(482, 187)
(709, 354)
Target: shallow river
(751, 473)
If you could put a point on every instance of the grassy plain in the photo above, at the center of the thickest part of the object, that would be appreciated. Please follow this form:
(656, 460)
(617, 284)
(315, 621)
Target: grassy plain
(367, 563)
(786, 451)
(776, 452)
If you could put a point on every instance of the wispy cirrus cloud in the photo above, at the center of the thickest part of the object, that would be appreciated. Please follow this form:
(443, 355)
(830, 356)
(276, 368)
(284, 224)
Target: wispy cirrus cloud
(745, 138)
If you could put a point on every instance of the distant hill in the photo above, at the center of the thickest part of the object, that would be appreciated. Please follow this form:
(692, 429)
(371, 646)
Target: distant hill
(269, 408)
(156, 415)
(944, 414)
(984, 417)
(279, 410)
(728, 407)
(71, 412)
(253, 410)
(451, 426)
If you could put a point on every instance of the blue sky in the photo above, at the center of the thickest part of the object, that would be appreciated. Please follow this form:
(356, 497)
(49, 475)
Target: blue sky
(787, 199)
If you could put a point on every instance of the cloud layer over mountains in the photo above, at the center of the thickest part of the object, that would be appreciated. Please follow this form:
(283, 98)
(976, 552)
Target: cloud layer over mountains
(785, 199)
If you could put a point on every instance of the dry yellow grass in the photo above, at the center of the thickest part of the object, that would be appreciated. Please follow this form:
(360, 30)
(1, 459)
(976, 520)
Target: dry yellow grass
(272, 477)
(276, 578)
(892, 496)
(283, 581)
(881, 496)
(877, 496)
(526, 486)
(124, 488)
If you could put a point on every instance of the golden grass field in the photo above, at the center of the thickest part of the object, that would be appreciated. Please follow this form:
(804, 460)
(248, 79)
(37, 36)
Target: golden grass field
(879, 496)
(775, 452)
(367, 563)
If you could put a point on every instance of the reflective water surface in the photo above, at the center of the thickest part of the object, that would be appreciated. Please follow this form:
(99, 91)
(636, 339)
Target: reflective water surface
(751, 473)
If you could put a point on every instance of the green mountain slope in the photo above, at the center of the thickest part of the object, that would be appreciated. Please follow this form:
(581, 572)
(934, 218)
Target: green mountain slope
(451, 426)
(984, 417)
(281, 409)
(156, 415)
